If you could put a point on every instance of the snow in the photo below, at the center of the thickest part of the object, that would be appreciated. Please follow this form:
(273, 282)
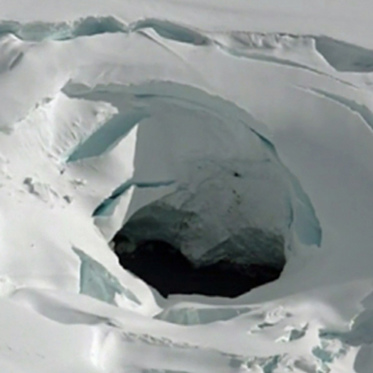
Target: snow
(113, 110)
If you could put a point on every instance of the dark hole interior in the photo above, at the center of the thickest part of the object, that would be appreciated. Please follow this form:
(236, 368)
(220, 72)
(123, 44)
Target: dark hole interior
(166, 269)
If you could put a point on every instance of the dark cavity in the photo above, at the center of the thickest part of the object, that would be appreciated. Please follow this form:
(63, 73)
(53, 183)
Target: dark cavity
(166, 269)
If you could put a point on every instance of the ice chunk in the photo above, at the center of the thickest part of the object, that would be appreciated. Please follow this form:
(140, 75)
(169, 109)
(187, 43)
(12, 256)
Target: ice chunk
(199, 315)
(38, 31)
(172, 31)
(97, 282)
(107, 136)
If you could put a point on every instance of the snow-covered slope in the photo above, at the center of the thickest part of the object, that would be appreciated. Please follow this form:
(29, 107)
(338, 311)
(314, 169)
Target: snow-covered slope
(221, 119)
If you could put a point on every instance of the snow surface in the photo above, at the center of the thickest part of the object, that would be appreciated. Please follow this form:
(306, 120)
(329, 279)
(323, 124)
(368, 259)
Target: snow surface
(109, 109)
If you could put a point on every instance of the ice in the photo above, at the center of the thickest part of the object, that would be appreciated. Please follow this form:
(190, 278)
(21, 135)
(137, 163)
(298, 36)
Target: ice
(107, 136)
(98, 283)
(355, 58)
(172, 31)
(39, 31)
(357, 107)
(118, 192)
(197, 316)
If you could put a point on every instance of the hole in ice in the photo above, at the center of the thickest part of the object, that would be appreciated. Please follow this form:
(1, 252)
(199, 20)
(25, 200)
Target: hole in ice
(165, 268)
(209, 207)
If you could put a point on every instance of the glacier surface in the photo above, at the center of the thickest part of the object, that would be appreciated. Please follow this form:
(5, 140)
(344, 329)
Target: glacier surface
(217, 126)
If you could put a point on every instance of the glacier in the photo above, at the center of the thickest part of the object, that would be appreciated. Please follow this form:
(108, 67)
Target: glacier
(239, 130)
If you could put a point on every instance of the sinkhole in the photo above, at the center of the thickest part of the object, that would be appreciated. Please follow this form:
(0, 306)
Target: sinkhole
(206, 205)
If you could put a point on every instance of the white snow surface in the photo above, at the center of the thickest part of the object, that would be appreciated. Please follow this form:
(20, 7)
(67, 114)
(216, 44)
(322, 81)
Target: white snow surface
(109, 107)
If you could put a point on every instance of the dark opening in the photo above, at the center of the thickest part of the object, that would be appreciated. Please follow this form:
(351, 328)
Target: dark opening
(166, 269)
